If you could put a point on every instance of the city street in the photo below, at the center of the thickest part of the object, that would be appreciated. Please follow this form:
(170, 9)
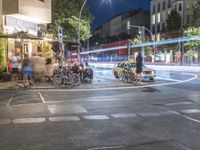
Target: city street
(107, 114)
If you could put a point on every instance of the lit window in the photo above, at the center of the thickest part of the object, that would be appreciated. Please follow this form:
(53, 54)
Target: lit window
(153, 19)
(158, 18)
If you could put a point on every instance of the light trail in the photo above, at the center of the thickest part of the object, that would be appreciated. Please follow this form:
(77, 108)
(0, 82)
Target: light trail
(168, 41)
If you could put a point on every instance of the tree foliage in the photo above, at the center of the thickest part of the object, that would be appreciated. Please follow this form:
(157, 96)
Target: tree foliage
(65, 14)
(173, 21)
(190, 32)
(2, 54)
(46, 49)
(196, 15)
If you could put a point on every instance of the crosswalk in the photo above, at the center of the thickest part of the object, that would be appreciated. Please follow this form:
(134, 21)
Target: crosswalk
(99, 117)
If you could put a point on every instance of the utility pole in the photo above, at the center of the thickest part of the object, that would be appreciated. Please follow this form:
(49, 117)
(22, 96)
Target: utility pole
(143, 40)
(129, 50)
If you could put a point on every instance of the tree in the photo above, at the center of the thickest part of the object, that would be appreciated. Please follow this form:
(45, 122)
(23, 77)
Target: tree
(196, 15)
(173, 21)
(190, 32)
(2, 54)
(65, 14)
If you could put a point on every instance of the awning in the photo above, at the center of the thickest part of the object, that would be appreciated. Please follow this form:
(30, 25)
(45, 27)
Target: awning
(21, 35)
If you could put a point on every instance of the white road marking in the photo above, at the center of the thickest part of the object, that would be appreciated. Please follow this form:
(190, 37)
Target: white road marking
(194, 120)
(66, 109)
(167, 79)
(28, 120)
(67, 118)
(149, 114)
(10, 100)
(178, 103)
(170, 112)
(123, 88)
(42, 98)
(96, 117)
(190, 111)
(107, 148)
(129, 115)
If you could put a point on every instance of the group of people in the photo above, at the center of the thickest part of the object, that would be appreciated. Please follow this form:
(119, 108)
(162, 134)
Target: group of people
(30, 69)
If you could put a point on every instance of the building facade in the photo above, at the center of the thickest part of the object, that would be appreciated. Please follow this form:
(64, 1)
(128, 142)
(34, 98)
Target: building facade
(30, 16)
(118, 24)
(159, 12)
(161, 8)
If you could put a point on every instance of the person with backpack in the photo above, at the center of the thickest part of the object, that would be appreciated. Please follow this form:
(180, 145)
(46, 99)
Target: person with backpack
(139, 67)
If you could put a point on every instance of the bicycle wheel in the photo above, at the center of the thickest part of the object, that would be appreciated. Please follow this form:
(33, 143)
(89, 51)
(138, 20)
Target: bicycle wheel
(58, 80)
(75, 79)
(122, 76)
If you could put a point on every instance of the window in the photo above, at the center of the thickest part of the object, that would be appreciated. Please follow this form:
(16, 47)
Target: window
(158, 28)
(153, 19)
(154, 9)
(158, 18)
(163, 5)
(175, 7)
(180, 7)
(163, 26)
(188, 19)
(158, 9)
(153, 29)
(169, 4)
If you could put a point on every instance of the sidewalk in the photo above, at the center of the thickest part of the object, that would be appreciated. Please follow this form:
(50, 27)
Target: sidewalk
(12, 85)
(7, 85)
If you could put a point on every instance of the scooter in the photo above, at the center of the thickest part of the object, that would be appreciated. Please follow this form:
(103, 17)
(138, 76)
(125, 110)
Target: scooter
(87, 75)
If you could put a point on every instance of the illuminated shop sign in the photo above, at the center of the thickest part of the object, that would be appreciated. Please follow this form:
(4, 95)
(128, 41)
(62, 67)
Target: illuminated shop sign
(18, 23)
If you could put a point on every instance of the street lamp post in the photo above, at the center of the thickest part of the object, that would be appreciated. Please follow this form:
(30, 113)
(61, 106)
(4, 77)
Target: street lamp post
(142, 28)
(79, 38)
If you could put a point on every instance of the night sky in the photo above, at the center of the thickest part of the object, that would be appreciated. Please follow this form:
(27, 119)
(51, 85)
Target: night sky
(102, 10)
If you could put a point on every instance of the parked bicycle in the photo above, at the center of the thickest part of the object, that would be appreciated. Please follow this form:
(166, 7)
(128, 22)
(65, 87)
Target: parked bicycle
(127, 75)
(65, 77)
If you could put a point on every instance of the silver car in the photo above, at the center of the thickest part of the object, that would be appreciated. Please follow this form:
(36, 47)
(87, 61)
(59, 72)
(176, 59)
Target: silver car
(146, 73)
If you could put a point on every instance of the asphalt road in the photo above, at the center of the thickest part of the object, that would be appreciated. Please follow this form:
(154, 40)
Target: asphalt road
(107, 114)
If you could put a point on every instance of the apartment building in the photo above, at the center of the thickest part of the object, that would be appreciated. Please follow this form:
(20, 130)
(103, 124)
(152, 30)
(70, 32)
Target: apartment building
(161, 8)
(118, 24)
(24, 15)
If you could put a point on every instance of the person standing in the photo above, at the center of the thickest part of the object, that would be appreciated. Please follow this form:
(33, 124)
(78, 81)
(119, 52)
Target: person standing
(15, 64)
(48, 69)
(26, 70)
(139, 67)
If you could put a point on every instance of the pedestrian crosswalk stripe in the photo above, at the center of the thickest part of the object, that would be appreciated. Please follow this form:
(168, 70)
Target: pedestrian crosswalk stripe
(28, 120)
(190, 111)
(129, 115)
(68, 118)
(96, 117)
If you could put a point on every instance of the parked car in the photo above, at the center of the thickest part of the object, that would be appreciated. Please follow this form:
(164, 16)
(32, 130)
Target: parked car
(146, 73)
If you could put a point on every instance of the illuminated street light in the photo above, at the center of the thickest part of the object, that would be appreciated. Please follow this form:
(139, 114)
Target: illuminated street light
(79, 18)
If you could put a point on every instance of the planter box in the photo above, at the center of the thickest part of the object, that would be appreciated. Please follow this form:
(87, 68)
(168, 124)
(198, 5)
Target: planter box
(6, 77)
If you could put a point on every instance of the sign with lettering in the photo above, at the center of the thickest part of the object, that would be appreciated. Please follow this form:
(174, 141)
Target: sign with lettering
(18, 23)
